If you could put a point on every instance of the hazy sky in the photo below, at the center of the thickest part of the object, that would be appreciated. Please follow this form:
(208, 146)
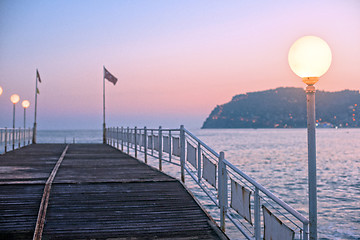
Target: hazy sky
(175, 60)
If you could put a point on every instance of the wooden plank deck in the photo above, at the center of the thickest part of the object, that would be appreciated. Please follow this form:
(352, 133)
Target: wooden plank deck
(98, 193)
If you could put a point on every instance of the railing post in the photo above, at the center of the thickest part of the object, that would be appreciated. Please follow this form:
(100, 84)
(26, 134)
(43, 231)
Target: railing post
(182, 152)
(117, 137)
(122, 139)
(222, 188)
(257, 227)
(19, 137)
(140, 139)
(113, 136)
(16, 136)
(152, 144)
(135, 140)
(145, 144)
(29, 136)
(13, 138)
(305, 231)
(131, 138)
(199, 162)
(6, 134)
(170, 145)
(160, 148)
(24, 136)
(128, 140)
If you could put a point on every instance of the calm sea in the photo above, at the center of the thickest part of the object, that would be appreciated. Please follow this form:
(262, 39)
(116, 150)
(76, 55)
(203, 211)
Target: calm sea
(277, 159)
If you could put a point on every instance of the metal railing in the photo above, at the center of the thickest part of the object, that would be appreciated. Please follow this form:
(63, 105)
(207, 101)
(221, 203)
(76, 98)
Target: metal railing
(12, 138)
(219, 179)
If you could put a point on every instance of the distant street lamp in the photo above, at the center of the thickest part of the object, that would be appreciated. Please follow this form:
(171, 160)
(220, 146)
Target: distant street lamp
(310, 58)
(25, 105)
(14, 99)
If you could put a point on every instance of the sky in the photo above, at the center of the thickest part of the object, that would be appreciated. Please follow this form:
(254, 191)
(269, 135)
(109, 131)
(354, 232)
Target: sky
(175, 60)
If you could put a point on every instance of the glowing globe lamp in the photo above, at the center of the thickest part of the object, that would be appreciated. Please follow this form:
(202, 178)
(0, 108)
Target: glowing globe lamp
(1, 90)
(25, 104)
(14, 98)
(310, 58)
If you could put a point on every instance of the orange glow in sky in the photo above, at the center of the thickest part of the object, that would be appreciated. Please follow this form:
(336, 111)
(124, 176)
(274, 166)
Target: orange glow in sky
(175, 60)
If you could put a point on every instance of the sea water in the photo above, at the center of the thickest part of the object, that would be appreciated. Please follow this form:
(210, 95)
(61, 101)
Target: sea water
(277, 159)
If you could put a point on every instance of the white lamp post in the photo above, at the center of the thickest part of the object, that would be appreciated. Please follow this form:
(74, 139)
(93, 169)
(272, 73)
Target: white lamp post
(310, 58)
(14, 99)
(25, 105)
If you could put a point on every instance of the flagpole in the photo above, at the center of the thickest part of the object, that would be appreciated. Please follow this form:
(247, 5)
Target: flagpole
(104, 125)
(34, 129)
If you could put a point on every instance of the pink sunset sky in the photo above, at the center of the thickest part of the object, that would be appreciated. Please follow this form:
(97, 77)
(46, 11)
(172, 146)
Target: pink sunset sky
(175, 60)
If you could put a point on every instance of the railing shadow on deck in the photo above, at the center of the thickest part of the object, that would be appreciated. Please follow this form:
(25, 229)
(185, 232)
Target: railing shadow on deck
(238, 198)
(13, 138)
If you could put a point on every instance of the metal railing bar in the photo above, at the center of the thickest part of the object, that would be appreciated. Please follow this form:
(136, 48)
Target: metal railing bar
(208, 191)
(191, 140)
(195, 179)
(278, 211)
(210, 155)
(268, 193)
(241, 180)
(202, 143)
(15, 137)
(238, 226)
(289, 214)
(172, 162)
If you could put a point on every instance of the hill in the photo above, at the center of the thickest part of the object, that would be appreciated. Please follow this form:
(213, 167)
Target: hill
(286, 108)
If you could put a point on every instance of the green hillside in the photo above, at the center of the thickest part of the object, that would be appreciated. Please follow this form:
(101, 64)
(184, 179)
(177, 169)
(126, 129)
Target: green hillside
(286, 108)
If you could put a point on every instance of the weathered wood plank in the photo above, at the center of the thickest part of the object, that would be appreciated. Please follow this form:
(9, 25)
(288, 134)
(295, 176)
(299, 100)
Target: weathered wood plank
(23, 173)
(97, 193)
(45, 199)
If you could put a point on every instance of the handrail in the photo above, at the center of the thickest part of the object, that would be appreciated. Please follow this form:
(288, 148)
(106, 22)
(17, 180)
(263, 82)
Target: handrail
(192, 161)
(202, 143)
(14, 138)
(268, 193)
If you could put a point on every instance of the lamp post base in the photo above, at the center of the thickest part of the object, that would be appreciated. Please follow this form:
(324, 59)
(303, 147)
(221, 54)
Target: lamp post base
(34, 134)
(104, 133)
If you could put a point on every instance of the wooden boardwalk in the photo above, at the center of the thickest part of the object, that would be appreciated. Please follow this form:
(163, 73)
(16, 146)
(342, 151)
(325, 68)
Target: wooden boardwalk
(98, 193)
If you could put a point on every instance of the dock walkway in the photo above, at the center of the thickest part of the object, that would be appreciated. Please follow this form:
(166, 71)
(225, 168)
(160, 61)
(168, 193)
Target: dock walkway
(98, 193)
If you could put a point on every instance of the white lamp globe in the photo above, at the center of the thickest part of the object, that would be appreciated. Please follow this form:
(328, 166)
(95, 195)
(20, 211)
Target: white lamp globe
(309, 57)
(1, 90)
(25, 104)
(14, 98)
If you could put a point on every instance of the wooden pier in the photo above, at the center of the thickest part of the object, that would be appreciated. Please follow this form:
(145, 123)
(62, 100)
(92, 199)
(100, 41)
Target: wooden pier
(97, 192)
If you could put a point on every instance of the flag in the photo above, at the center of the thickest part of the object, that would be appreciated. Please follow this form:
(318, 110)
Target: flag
(109, 76)
(37, 91)
(38, 75)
